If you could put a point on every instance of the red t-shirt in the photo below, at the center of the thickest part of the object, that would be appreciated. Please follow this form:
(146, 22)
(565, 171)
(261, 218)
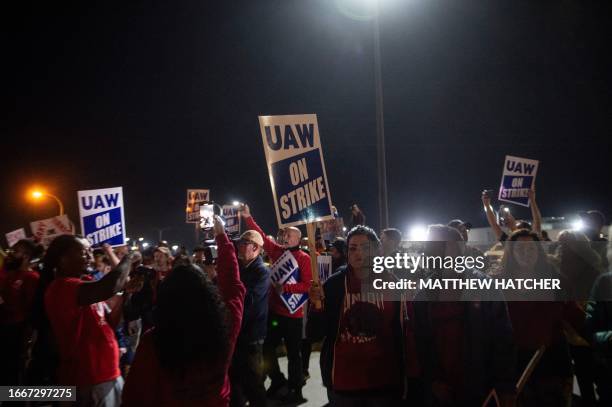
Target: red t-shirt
(365, 352)
(447, 320)
(536, 323)
(87, 346)
(17, 290)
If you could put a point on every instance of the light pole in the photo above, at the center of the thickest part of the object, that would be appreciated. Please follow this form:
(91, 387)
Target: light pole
(160, 232)
(369, 10)
(383, 206)
(36, 194)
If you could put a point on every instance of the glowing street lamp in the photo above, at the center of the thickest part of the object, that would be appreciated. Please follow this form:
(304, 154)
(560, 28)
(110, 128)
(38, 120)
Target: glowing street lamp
(418, 233)
(38, 195)
(371, 9)
(578, 225)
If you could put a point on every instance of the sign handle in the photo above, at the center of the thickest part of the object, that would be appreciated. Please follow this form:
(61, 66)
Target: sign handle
(310, 231)
(535, 359)
(492, 396)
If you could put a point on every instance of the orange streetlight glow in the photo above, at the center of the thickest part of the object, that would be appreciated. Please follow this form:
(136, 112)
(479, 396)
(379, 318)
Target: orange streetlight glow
(38, 194)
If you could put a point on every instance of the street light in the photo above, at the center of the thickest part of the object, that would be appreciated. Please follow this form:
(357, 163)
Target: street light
(160, 232)
(383, 210)
(38, 195)
(418, 233)
(369, 9)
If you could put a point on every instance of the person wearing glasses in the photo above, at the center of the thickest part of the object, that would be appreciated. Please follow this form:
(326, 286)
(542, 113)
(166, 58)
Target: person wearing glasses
(246, 373)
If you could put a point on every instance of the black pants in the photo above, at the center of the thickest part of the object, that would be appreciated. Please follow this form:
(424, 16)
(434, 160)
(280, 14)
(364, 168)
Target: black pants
(246, 376)
(12, 348)
(306, 351)
(289, 329)
(584, 367)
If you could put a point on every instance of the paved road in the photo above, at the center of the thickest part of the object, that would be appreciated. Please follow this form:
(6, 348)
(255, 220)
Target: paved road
(314, 391)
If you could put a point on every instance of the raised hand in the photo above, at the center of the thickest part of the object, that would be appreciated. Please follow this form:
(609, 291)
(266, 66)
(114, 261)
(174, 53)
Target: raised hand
(218, 227)
(245, 211)
(486, 199)
(315, 292)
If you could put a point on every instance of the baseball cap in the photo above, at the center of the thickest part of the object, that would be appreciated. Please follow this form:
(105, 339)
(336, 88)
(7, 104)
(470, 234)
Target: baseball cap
(163, 249)
(253, 237)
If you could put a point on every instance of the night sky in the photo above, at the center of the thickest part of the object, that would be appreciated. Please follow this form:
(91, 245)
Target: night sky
(161, 96)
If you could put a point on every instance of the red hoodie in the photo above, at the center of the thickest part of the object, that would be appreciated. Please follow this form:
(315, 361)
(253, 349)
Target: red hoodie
(275, 250)
(149, 385)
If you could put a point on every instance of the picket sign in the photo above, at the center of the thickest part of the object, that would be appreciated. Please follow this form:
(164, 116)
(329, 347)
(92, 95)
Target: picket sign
(324, 264)
(286, 270)
(296, 168)
(518, 178)
(15, 236)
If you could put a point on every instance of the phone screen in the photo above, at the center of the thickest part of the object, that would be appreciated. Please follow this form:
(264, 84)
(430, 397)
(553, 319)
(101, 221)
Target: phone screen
(206, 215)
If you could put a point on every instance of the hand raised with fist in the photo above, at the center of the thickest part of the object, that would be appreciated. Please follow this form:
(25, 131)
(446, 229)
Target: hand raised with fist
(245, 211)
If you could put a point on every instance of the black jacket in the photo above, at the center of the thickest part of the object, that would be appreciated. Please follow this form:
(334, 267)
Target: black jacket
(488, 348)
(256, 279)
(599, 319)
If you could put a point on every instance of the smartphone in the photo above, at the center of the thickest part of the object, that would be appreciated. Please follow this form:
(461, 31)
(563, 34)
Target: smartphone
(207, 212)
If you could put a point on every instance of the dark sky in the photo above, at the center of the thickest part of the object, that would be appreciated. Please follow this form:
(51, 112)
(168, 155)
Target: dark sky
(160, 96)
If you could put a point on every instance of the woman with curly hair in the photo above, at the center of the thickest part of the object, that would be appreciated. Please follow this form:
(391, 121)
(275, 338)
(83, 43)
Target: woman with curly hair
(185, 359)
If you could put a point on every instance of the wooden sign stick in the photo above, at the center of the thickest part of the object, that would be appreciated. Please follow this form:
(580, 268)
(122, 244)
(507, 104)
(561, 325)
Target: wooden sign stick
(312, 248)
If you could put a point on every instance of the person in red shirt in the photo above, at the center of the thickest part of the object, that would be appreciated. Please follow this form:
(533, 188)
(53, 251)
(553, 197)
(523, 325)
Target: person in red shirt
(363, 346)
(184, 360)
(88, 352)
(540, 323)
(282, 324)
(18, 284)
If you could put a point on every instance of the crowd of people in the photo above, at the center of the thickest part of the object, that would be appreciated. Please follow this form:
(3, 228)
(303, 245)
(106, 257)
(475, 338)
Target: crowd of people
(153, 328)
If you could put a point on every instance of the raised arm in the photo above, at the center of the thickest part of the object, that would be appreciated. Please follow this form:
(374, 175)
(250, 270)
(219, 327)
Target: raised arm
(270, 246)
(491, 218)
(536, 224)
(107, 286)
(228, 277)
(112, 257)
